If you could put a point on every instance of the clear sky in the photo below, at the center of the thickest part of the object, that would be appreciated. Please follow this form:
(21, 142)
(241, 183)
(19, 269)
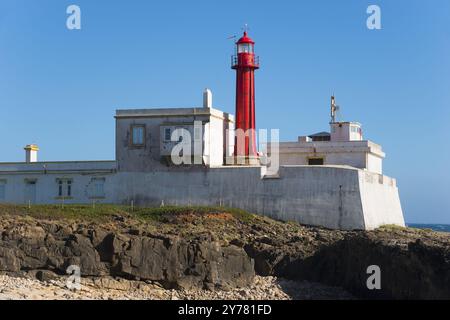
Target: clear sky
(60, 88)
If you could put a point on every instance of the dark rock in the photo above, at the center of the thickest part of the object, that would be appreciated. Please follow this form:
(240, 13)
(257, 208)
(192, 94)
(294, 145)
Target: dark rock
(45, 275)
(237, 242)
(9, 260)
(119, 218)
(135, 232)
(84, 255)
(414, 264)
(168, 260)
(178, 264)
(411, 267)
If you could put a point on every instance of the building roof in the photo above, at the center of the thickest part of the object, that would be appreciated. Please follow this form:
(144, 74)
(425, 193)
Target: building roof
(58, 167)
(320, 134)
(330, 147)
(172, 112)
(31, 147)
(346, 122)
(245, 39)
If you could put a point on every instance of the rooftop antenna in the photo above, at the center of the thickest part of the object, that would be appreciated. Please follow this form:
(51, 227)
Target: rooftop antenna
(334, 109)
(245, 28)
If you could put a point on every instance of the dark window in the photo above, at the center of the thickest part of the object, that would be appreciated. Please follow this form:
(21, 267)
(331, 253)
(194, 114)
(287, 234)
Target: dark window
(64, 187)
(321, 138)
(315, 162)
(167, 134)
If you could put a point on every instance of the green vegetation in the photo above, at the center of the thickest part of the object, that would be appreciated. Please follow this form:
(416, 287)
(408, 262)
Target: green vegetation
(399, 229)
(105, 212)
(391, 227)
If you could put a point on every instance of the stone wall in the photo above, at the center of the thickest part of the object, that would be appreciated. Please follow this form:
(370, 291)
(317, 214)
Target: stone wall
(335, 197)
(331, 196)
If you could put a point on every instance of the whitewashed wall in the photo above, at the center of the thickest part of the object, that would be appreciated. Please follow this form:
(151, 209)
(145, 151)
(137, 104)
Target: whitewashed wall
(46, 176)
(329, 196)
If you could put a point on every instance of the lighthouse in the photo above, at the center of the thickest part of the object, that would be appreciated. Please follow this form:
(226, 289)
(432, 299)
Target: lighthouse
(245, 63)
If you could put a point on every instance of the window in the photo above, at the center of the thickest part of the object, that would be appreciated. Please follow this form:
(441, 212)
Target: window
(355, 129)
(315, 161)
(167, 134)
(64, 188)
(321, 138)
(2, 189)
(97, 187)
(138, 135)
(245, 48)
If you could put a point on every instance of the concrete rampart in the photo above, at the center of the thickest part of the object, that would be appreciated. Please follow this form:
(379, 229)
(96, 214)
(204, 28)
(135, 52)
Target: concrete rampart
(336, 197)
(328, 196)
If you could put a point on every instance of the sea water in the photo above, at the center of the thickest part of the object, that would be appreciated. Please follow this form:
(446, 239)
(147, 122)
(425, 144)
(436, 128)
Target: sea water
(435, 227)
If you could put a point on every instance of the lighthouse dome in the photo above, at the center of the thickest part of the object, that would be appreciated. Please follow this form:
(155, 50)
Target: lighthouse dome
(245, 39)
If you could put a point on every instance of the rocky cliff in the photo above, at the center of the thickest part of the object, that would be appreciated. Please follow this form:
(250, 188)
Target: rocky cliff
(215, 249)
(174, 262)
(413, 264)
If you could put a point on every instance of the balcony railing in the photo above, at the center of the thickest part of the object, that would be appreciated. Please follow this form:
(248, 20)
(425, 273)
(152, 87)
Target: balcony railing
(245, 60)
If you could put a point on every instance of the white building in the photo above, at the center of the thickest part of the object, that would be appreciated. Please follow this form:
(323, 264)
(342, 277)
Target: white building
(343, 146)
(144, 136)
(330, 180)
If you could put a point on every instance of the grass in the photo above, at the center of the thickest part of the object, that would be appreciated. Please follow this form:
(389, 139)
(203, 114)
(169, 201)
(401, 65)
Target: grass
(105, 212)
(88, 212)
(166, 211)
(392, 227)
(396, 228)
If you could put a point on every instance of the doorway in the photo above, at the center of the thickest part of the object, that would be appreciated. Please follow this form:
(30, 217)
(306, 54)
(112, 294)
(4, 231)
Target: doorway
(30, 191)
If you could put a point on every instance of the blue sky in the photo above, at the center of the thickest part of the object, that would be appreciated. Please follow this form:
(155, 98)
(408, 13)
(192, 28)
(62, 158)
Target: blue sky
(60, 88)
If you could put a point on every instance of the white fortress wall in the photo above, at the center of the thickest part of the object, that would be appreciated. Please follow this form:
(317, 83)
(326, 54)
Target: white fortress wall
(380, 200)
(374, 163)
(336, 197)
(329, 196)
(321, 196)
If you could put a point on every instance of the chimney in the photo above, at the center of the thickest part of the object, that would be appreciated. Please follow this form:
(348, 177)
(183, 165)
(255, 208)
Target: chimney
(207, 99)
(31, 153)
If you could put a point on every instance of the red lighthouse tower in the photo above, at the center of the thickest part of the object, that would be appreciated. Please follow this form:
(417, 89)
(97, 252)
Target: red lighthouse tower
(245, 63)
